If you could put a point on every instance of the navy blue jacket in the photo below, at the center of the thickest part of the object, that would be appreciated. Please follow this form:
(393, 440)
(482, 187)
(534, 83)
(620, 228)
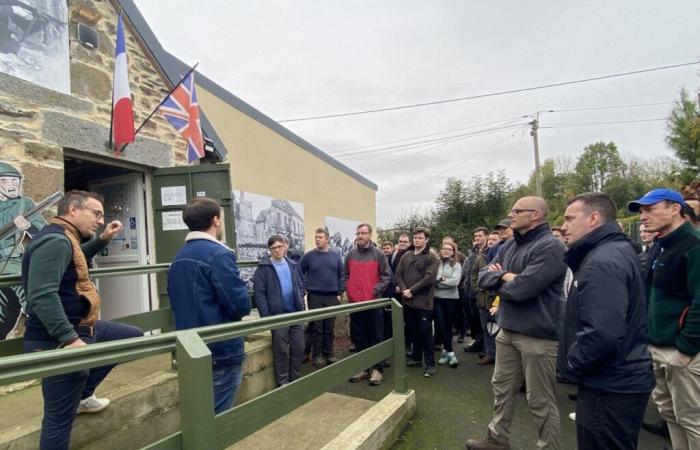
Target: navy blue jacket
(604, 340)
(205, 288)
(267, 292)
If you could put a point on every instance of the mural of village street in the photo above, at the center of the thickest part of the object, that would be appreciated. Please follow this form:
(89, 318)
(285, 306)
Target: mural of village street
(342, 233)
(257, 218)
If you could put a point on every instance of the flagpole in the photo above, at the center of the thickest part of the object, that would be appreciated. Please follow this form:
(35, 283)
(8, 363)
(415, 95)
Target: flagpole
(165, 98)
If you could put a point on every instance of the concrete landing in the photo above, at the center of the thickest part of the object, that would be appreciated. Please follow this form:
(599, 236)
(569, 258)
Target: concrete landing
(311, 426)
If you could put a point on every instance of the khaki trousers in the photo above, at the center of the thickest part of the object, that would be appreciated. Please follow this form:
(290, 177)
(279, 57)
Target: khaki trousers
(677, 396)
(524, 358)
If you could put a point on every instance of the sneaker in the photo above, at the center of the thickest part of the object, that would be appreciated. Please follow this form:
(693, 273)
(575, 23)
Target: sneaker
(413, 363)
(487, 443)
(572, 417)
(319, 362)
(376, 378)
(430, 372)
(92, 404)
(443, 358)
(359, 376)
(452, 359)
(331, 359)
(471, 348)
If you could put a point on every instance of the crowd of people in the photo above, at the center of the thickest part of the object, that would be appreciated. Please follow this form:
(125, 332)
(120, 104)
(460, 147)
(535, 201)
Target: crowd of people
(578, 303)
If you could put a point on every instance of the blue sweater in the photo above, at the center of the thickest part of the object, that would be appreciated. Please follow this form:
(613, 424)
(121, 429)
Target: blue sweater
(323, 272)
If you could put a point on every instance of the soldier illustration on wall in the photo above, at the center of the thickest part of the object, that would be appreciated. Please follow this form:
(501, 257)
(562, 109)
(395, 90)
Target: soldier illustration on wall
(13, 206)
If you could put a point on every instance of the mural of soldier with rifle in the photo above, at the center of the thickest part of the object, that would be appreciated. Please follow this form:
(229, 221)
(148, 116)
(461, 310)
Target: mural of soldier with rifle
(14, 208)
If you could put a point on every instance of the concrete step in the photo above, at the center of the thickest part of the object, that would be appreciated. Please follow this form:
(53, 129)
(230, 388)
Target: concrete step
(144, 403)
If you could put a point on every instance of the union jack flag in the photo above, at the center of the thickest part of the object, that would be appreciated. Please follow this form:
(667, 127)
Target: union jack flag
(182, 111)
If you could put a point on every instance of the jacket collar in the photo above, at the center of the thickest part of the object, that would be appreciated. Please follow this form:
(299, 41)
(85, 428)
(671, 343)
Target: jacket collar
(194, 235)
(533, 234)
(675, 234)
(610, 232)
(412, 249)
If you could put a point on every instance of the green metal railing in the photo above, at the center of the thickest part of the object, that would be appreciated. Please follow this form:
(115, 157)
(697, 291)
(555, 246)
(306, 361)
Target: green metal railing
(200, 428)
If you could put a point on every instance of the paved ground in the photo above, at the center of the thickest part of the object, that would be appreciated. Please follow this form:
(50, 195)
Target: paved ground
(457, 404)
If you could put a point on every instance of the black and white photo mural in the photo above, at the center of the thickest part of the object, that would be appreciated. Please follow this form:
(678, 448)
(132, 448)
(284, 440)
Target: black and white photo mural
(257, 218)
(34, 42)
(342, 234)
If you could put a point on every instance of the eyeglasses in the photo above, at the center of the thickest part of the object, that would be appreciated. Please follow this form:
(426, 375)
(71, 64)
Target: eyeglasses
(98, 214)
(274, 248)
(403, 242)
(516, 211)
(361, 233)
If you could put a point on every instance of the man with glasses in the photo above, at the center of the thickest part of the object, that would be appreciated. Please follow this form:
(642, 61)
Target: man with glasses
(63, 306)
(528, 275)
(673, 298)
(367, 274)
(277, 289)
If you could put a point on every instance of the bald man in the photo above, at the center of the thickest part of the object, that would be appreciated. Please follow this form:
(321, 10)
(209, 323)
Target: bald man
(528, 275)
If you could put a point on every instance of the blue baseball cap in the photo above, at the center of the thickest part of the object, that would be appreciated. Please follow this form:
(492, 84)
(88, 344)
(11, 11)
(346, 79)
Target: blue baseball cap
(655, 196)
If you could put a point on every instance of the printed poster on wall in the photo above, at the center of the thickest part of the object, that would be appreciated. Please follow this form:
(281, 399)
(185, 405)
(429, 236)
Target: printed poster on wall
(342, 234)
(258, 217)
(34, 42)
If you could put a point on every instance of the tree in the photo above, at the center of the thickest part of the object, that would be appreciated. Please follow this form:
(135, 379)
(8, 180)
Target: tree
(684, 135)
(597, 165)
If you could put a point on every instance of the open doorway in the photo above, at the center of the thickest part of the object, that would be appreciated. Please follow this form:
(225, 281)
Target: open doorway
(125, 200)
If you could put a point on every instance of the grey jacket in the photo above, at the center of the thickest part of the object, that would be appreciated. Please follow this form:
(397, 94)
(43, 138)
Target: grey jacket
(533, 302)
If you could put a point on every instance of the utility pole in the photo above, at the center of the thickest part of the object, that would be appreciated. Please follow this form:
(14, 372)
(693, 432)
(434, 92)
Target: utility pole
(538, 175)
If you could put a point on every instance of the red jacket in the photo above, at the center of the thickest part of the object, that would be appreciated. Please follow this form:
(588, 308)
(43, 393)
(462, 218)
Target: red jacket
(367, 273)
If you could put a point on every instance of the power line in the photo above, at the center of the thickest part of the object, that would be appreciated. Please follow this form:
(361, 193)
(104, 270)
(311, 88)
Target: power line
(595, 108)
(444, 172)
(493, 94)
(504, 121)
(418, 144)
(584, 124)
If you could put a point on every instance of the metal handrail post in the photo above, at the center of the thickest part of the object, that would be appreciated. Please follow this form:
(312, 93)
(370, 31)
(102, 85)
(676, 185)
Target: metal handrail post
(397, 319)
(196, 392)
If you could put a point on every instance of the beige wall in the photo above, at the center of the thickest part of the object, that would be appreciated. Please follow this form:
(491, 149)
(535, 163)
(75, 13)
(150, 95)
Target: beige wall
(263, 162)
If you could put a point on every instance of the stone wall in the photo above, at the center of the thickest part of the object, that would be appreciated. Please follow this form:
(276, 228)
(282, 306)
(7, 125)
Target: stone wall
(37, 124)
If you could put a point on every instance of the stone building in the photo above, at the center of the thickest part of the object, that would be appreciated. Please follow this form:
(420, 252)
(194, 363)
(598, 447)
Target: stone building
(57, 139)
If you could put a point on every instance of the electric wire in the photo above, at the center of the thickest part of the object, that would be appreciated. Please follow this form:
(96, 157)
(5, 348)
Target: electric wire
(493, 94)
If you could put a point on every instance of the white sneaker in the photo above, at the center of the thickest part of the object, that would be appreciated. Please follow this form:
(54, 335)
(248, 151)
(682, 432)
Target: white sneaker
(443, 358)
(92, 404)
(572, 417)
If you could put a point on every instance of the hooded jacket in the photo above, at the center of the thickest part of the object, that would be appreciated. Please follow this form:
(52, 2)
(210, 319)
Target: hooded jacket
(418, 273)
(533, 303)
(604, 340)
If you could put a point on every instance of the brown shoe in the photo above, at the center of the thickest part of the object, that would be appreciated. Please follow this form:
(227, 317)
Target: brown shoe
(485, 361)
(376, 378)
(487, 443)
(359, 376)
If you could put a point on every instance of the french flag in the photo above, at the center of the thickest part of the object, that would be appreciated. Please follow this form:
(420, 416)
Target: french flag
(122, 109)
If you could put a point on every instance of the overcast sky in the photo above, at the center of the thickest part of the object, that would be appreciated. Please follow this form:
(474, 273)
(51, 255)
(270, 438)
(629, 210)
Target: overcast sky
(294, 59)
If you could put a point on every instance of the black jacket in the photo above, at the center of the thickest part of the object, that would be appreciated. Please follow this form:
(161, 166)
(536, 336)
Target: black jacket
(604, 339)
(533, 303)
(267, 293)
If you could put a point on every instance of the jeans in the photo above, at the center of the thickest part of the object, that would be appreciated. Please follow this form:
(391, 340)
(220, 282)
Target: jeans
(420, 325)
(226, 380)
(489, 341)
(607, 420)
(445, 311)
(367, 330)
(287, 353)
(320, 332)
(62, 393)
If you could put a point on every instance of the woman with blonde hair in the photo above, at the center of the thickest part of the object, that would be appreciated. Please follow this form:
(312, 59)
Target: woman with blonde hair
(446, 300)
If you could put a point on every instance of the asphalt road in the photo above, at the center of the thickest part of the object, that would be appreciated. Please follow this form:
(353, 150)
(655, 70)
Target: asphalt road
(457, 404)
